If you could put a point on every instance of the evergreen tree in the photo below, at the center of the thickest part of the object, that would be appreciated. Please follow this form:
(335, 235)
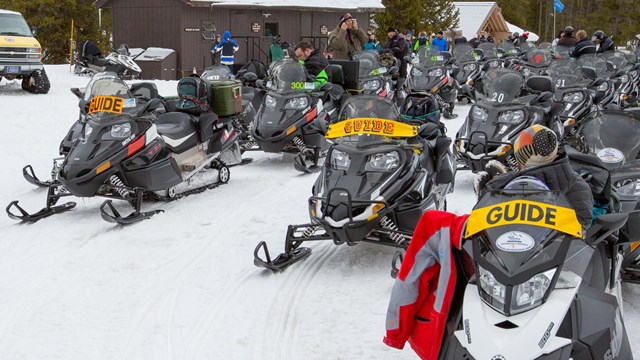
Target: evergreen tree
(415, 16)
(440, 15)
(52, 18)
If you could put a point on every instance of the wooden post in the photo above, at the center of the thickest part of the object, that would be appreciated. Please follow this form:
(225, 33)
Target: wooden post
(71, 47)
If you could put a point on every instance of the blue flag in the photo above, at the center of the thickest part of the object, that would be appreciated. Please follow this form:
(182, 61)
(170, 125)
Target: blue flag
(558, 5)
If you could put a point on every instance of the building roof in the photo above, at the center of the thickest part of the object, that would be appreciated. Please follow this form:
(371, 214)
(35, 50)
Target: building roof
(478, 16)
(9, 12)
(362, 5)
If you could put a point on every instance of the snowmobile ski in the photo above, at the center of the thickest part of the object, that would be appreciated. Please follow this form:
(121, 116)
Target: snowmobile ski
(46, 212)
(282, 261)
(300, 162)
(110, 214)
(31, 177)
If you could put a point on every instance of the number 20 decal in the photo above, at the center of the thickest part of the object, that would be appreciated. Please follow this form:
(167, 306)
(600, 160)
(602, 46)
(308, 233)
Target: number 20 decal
(497, 97)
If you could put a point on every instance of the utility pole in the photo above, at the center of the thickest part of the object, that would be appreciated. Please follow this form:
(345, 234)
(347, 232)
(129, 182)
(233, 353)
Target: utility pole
(540, 19)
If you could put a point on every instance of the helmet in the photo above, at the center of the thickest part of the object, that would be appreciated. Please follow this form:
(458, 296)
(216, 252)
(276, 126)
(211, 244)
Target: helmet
(568, 30)
(527, 182)
(423, 109)
(516, 35)
(598, 35)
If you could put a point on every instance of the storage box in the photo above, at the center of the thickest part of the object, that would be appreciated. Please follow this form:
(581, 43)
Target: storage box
(226, 96)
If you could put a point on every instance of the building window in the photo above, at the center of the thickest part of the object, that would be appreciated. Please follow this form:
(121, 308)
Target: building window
(208, 30)
(271, 29)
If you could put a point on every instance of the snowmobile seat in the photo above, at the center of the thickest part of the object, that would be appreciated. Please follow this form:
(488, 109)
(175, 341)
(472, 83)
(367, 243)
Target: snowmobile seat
(176, 126)
(540, 84)
(336, 74)
(147, 90)
(207, 124)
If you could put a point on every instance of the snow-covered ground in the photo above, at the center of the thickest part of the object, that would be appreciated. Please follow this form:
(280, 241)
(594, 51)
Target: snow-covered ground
(182, 285)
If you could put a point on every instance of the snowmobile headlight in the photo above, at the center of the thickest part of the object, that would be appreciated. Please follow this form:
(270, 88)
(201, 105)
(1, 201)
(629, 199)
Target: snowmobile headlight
(478, 113)
(372, 85)
(624, 78)
(470, 67)
(573, 97)
(297, 103)
(340, 160)
(511, 117)
(121, 131)
(530, 293)
(603, 87)
(491, 290)
(494, 64)
(270, 101)
(628, 187)
(436, 72)
(383, 161)
(416, 72)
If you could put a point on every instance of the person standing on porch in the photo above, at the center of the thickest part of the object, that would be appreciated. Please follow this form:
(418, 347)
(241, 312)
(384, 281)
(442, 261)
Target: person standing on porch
(227, 48)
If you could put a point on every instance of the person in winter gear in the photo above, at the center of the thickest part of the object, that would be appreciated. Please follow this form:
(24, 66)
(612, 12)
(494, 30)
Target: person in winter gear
(314, 62)
(423, 292)
(215, 55)
(440, 42)
(409, 39)
(227, 48)
(373, 43)
(584, 46)
(605, 42)
(275, 50)
(398, 46)
(567, 39)
(347, 38)
(422, 40)
(536, 151)
(554, 43)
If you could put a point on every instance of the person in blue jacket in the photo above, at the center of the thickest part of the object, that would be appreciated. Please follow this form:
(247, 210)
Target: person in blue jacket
(227, 48)
(373, 43)
(440, 42)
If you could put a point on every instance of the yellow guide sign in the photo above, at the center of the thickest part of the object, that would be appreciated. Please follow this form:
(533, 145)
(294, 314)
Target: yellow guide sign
(524, 212)
(371, 126)
(110, 104)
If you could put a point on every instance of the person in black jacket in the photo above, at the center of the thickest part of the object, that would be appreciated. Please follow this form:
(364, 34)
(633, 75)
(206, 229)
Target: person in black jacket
(398, 46)
(605, 42)
(536, 150)
(314, 62)
(584, 46)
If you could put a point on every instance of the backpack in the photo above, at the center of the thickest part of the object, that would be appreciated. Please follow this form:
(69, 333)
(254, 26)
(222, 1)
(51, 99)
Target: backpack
(193, 94)
(421, 110)
(254, 66)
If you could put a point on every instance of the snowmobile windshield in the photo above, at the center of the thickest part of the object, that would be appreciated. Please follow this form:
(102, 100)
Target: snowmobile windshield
(526, 46)
(613, 137)
(508, 48)
(565, 72)
(538, 57)
(368, 63)
(366, 106)
(107, 84)
(466, 52)
(14, 25)
(288, 76)
(598, 63)
(374, 117)
(618, 60)
(215, 73)
(502, 84)
(545, 45)
(489, 50)
(564, 51)
(432, 57)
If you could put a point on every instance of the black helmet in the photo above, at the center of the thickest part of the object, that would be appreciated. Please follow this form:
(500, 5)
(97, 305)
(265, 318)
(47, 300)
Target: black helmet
(598, 35)
(516, 35)
(568, 30)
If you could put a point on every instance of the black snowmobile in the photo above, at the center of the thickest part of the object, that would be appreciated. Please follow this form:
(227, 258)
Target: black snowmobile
(507, 106)
(380, 176)
(90, 61)
(469, 69)
(432, 74)
(293, 116)
(538, 61)
(126, 151)
(373, 78)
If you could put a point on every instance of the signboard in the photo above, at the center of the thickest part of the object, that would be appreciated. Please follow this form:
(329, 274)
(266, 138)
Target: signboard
(192, 29)
(324, 30)
(558, 5)
(255, 27)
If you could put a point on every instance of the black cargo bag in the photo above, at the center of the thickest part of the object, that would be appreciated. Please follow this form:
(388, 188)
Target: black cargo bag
(193, 95)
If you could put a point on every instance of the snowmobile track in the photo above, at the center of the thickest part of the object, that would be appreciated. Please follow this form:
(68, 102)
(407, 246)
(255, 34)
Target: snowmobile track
(282, 318)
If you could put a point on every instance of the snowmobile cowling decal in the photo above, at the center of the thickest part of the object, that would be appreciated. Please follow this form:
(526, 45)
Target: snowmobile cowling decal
(110, 104)
(372, 126)
(524, 212)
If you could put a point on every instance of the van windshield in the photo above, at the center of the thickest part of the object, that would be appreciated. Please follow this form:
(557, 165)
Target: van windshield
(14, 25)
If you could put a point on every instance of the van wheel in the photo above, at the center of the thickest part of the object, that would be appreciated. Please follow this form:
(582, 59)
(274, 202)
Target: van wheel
(37, 82)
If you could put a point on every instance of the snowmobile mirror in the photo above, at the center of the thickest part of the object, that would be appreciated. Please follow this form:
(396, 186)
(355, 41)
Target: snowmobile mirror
(393, 70)
(630, 232)
(610, 66)
(250, 77)
(260, 83)
(606, 225)
(589, 72)
(154, 104)
(83, 105)
(34, 31)
(77, 92)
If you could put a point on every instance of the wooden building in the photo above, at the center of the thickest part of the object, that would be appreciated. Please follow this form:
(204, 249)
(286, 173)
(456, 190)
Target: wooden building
(481, 18)
(189, 26)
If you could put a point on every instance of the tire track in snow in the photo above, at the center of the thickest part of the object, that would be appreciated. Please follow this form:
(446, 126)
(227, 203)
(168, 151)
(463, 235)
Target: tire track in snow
(281, 321)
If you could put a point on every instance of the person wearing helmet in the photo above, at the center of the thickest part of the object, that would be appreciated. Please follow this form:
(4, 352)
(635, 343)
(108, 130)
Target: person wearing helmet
(515, 38)
(605, 43)
(537, 153)
(567, 39)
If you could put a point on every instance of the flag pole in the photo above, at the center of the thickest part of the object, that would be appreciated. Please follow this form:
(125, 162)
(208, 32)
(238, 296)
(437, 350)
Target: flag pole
(554, 21)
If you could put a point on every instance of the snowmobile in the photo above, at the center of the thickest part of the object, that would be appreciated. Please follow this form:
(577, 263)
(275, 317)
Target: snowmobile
(624, 77)
(381, 174)
(468, 69)
(507, 106)
(126, 151)
(293, 116)
(432, 74)
(535, 288)
(373, 78)
(538, 61)
(90, 61)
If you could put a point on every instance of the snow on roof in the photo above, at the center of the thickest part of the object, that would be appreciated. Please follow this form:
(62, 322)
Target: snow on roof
(532, 37)
(315, 4)
(473, 15)
(154, 53)
(9, 12)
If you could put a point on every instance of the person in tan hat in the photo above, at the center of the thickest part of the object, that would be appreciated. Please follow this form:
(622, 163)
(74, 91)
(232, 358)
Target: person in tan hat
(347, 38)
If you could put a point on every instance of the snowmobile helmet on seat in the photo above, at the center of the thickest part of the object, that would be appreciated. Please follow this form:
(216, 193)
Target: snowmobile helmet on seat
(527, 182)
(421, 109)
(193, 93)
(568, 31)
(598, 36)
(536, 145)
